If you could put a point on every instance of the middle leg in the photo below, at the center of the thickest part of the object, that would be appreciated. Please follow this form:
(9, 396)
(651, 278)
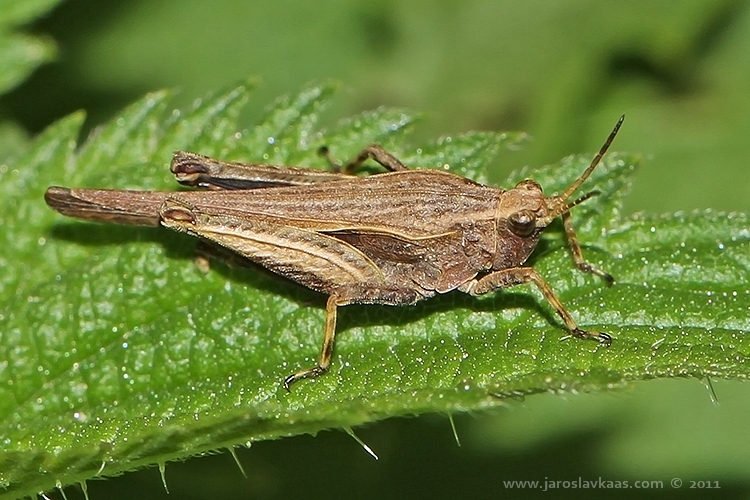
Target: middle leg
(374, 152)
(359, 293)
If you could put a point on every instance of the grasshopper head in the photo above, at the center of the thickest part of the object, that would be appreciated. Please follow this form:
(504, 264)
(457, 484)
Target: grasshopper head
(524, 212)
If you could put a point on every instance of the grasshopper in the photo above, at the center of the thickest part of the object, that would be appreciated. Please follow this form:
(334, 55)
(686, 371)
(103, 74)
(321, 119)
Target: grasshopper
(393, 238)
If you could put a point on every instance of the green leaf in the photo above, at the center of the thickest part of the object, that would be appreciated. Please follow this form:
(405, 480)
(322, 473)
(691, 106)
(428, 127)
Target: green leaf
(21, 54)
(117, 352)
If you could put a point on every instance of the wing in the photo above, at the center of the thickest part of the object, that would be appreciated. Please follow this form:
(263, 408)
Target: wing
(410, 205)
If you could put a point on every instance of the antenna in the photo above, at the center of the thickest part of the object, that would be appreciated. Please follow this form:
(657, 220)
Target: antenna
(568, 192)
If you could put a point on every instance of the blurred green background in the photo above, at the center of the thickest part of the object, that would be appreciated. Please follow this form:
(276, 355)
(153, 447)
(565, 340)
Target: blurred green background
(563, 71)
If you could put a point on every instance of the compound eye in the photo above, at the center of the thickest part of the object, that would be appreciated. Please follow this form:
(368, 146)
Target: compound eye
(530, 185)
(522, 223)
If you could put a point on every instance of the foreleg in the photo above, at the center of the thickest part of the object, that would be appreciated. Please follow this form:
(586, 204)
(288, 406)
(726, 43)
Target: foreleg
(507, 278)
(575, 249)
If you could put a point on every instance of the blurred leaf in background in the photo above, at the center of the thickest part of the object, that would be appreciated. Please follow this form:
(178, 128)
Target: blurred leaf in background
(561, 71)
(20, 55)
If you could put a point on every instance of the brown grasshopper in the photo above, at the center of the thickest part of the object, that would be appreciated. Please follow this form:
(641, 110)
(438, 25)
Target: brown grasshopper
(392, 238)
